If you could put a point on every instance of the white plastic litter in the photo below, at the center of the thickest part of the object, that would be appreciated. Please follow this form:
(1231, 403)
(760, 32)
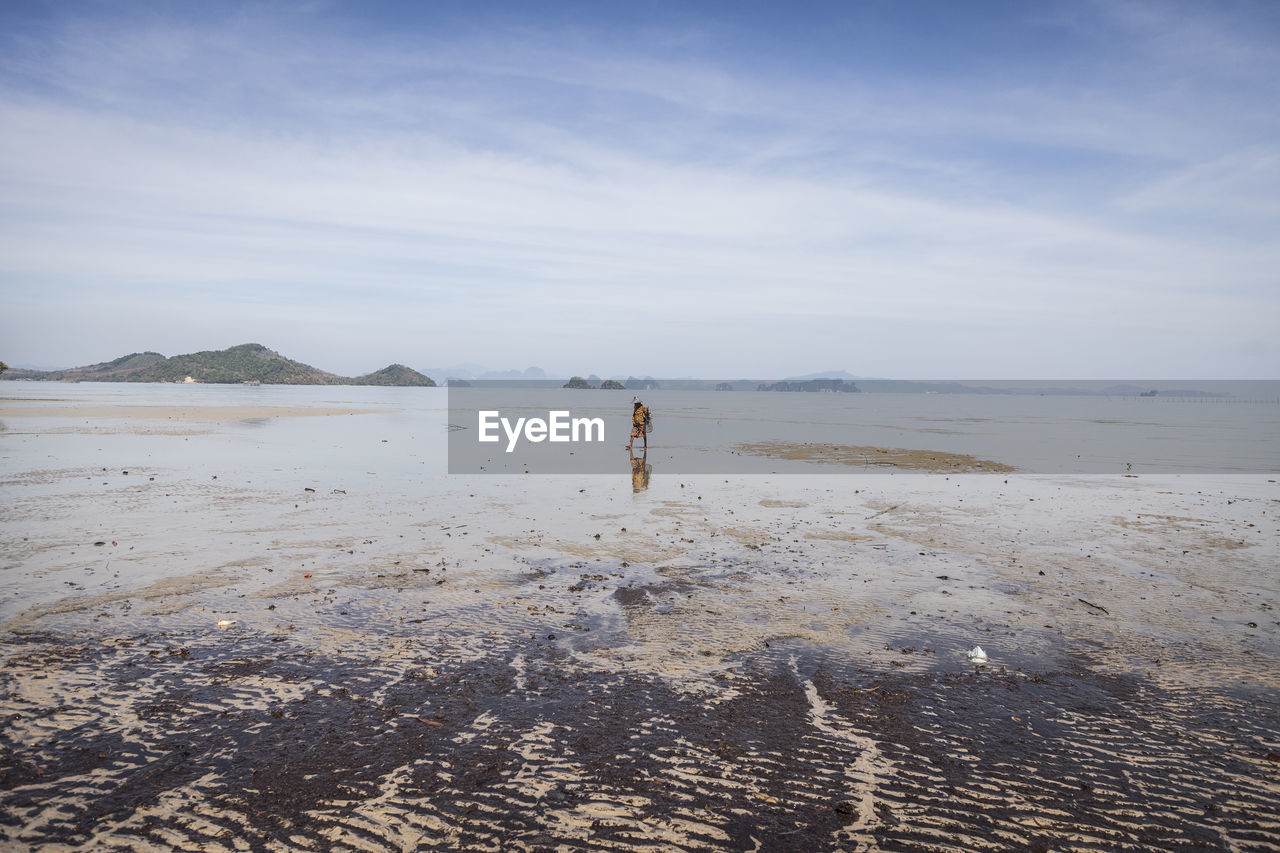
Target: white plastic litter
(226, 623)
(977, 655)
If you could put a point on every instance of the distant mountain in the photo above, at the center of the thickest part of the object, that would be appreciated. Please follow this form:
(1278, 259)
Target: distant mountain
(470, 370)
(831, 385)
(527, 373)
(243, 363)
(830, 374)
(458, 371)
(107, 371)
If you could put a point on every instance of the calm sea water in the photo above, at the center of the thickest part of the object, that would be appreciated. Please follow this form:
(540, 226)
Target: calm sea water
(405, 432)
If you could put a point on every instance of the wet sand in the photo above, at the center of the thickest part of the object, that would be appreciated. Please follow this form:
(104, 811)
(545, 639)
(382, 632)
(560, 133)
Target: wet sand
(183, 414)
(540, 663)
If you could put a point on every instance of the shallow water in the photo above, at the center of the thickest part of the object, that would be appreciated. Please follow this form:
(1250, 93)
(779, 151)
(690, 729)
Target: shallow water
(697, 432)
(717, 433)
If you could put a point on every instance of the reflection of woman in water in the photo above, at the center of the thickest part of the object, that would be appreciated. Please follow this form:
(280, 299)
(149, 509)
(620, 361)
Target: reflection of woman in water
(640, 471)
(639, 422)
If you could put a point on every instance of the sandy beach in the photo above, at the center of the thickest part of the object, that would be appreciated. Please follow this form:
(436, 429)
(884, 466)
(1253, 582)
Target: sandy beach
(220, 656)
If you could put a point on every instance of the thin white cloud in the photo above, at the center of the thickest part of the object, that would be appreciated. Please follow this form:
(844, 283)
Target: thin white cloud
(505, 182)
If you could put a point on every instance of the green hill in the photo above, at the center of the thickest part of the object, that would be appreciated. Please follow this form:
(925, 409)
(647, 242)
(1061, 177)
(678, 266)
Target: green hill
(395, 374)
(244, 363)
(238, 364)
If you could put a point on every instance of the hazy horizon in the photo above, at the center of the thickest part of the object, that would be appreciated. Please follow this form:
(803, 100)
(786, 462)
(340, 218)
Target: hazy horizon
(534, 374)
(1040, 191)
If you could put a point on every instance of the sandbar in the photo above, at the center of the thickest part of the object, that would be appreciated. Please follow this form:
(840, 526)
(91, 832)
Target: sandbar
(867, 456)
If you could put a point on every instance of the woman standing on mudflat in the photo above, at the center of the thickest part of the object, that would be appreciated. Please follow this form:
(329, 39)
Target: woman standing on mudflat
(639, 422)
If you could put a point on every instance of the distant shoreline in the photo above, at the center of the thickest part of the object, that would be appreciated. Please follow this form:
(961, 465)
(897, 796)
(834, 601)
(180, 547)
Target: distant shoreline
(1263, 390)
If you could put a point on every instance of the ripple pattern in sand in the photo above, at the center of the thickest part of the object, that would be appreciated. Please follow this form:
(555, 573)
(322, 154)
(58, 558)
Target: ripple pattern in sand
(424, 744)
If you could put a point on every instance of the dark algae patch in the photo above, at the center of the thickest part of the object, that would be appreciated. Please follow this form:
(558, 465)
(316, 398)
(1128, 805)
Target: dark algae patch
(429, 743)
(1067, 760)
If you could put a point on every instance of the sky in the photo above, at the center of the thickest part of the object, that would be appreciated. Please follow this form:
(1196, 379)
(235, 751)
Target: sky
(901, 189)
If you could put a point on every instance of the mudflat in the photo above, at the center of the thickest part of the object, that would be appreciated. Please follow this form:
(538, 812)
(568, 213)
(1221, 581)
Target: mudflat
(905, 459)
(229, 655)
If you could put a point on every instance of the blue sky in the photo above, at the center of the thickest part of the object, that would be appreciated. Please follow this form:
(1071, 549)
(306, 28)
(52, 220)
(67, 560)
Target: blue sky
(950, 190)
